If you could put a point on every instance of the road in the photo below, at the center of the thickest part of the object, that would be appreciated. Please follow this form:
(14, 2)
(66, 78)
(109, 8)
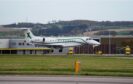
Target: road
(64, 80)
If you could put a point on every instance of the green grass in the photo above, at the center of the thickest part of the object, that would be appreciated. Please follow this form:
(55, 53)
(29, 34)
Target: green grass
(64, 65)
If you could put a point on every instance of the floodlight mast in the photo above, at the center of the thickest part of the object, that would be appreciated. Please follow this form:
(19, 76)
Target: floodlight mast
(109, 43)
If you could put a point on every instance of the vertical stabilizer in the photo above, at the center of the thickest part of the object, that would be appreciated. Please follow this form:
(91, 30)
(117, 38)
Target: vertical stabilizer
(28, 34)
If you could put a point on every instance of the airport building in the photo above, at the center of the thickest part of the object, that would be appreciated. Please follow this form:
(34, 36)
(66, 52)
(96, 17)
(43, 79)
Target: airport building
(109, 45)
(20, 46)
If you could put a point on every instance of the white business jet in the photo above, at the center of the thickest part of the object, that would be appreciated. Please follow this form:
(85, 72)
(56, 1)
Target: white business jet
(59, 42)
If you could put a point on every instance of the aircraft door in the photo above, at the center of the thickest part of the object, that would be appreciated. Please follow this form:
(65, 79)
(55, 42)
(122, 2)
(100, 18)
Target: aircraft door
(43, 40)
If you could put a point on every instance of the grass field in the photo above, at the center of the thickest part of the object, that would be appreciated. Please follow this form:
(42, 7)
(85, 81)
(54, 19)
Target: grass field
(64, 65)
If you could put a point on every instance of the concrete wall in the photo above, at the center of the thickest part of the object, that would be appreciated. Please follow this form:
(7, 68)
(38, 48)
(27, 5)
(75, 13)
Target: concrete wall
(20, 43)
(64, 51)
(4, 43)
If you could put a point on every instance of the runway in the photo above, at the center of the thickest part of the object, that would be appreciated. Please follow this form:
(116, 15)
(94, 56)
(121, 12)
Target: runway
(64, 80)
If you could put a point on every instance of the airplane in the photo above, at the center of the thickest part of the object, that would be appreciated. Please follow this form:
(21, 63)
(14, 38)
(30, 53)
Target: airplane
(59, 42)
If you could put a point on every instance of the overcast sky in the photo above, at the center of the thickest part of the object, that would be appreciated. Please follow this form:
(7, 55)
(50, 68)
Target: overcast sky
(42, 11)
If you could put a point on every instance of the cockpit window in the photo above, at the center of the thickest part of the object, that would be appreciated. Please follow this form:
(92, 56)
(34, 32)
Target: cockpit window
(89, 39)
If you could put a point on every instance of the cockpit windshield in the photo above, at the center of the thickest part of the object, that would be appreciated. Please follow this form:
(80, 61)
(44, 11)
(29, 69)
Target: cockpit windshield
(88, 39)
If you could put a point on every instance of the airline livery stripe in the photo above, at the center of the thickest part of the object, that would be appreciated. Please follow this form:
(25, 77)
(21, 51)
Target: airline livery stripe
(69, 40)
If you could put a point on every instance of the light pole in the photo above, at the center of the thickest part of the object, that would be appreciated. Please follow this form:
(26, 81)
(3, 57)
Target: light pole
(109, 44)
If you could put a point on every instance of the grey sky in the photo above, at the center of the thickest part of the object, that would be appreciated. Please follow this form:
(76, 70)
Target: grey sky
(47, 10)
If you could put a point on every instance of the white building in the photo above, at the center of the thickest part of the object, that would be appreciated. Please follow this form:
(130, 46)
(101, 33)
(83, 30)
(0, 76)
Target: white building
(20, 46)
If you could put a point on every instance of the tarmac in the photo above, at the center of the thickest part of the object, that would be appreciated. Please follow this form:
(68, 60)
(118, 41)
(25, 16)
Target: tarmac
(18, 79)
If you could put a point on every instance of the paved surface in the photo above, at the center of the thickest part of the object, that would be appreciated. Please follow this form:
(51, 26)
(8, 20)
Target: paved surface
(64, 80)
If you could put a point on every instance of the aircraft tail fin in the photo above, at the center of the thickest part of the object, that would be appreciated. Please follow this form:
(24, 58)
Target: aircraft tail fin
(28, 34)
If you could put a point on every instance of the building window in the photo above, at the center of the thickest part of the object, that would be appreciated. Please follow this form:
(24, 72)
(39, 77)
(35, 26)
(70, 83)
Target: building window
(13, 51)
(23, 51)
(30, 51)
(19, 44)
(13, 43)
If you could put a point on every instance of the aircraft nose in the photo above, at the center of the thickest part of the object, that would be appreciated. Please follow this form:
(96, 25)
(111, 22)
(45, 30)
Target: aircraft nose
(93, 42)
(97, 43)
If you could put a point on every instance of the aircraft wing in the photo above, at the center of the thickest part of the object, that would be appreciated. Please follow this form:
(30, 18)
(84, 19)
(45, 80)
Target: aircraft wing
(49, 45)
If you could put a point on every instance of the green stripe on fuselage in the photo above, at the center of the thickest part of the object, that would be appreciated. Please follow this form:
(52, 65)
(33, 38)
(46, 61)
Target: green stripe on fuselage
(68, 40)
